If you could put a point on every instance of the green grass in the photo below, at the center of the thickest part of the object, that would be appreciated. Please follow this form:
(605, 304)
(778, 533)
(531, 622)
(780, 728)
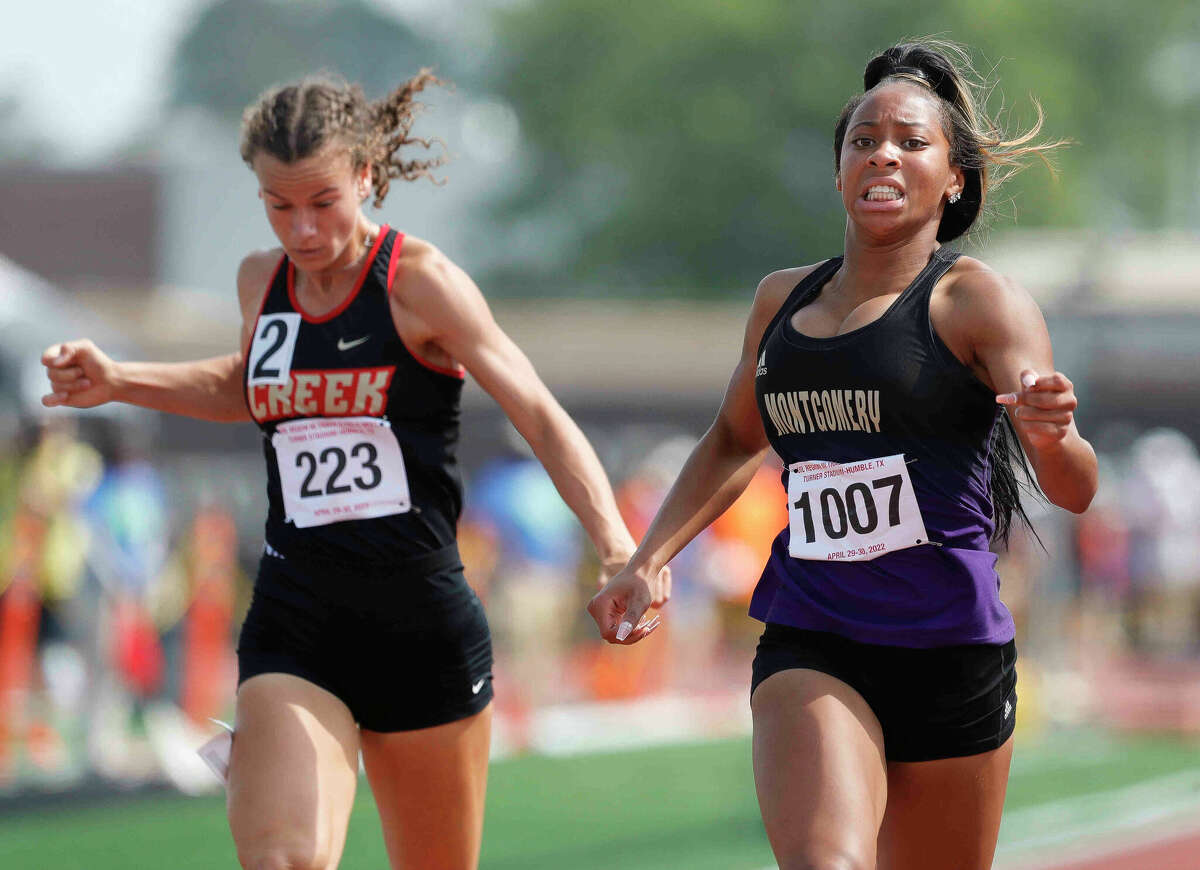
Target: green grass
(684, 806)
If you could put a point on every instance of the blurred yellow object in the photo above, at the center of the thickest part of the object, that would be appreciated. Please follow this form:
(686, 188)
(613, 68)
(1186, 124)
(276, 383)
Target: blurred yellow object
(60, 472)
(58, 475)
(64, 553)
(1031, 710)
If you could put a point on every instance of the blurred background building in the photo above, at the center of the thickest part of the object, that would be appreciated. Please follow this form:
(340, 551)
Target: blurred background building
(617, 185)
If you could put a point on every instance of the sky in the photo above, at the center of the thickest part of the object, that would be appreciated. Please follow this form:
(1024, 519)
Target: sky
(88, 73)
(85, 73)
(91, 76)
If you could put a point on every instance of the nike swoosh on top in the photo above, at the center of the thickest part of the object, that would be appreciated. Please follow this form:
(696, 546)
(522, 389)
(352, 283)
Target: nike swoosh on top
(476, 687)
(346, 345)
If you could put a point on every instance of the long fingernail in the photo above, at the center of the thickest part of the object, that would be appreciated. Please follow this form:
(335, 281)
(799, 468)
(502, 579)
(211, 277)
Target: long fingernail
(1006, 399)
(1028, 380)
(623, 631)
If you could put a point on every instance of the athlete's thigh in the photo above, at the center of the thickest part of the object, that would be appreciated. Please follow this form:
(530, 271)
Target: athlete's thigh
(945, 814)
(819, 770)
(429, 787)
(292, 774)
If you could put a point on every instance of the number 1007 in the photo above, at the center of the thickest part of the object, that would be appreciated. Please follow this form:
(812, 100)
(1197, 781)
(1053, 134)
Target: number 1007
(840, 511)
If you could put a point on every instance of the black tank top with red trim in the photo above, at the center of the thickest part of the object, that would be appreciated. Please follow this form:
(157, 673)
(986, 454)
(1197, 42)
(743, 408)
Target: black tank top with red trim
(335, 396)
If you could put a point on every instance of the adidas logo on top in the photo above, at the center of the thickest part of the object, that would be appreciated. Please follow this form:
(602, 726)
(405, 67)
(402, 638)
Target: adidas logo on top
(762, 364)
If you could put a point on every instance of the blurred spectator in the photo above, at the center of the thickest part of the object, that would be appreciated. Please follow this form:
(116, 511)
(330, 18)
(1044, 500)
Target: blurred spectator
(1161, 495)
(209, 667)
(130, 537)
(42, 549)
(1102, 541)
(523, 550)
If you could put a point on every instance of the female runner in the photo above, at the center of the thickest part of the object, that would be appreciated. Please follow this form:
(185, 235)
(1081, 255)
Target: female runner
(363, 634)
(883, 690)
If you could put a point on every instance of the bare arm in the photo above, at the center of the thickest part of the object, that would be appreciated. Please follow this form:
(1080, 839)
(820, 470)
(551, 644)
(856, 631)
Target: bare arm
(208, 389)
(83, 376)
(453, 314)
(717, 472)
(1011, 351)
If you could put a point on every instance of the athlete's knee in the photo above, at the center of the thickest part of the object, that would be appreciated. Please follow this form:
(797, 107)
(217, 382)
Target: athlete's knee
(283, 856)
(815, 858)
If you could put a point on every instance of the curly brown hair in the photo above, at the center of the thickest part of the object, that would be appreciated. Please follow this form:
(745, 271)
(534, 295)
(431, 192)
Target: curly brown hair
(294, 121)
(978, 144)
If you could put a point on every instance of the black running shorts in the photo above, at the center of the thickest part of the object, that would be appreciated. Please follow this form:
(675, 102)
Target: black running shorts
(944, 702)
(404, 647)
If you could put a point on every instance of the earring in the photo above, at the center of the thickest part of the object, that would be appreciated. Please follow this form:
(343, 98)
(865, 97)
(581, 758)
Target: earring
(955, 197)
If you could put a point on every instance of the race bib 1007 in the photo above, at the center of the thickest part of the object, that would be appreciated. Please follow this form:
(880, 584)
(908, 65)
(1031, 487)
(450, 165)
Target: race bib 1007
(852, 512)
(339, 468)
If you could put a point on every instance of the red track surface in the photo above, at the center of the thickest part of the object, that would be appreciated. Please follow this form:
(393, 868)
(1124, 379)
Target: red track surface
(1178, 852)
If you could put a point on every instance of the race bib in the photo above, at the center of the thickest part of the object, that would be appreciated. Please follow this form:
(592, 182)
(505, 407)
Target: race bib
(852, 512)
(271, 350)
(339, 468)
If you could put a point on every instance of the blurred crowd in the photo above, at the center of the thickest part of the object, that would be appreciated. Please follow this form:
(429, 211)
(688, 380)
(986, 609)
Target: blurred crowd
(120, 600)
(116, 615)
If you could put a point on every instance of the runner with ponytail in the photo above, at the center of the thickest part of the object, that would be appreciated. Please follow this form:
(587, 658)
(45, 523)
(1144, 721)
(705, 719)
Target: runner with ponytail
(899, 383)
(363, 635)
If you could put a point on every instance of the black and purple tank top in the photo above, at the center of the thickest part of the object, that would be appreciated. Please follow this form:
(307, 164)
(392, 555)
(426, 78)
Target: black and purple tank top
(885, 436)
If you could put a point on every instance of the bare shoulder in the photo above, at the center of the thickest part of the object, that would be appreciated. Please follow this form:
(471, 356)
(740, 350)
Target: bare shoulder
(414, 249)
(975, 289)
(434, 302)
(254, 274)
(785, 280)
(422, 265)
(774, 289)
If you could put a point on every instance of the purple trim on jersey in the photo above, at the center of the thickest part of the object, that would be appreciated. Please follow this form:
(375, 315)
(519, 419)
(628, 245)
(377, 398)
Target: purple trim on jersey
(920, 597)
(925, 596)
